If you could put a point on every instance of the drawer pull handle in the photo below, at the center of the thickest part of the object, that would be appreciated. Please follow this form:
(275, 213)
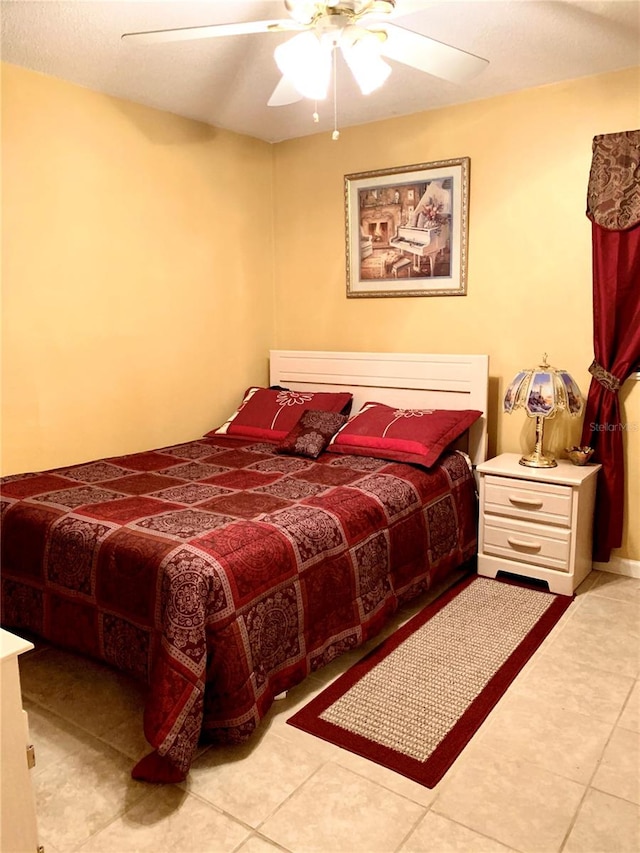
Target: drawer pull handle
(522, 543)
(534, 503)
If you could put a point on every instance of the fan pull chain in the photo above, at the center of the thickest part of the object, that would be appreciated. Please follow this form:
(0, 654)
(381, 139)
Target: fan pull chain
(336, 133)
(316, 115)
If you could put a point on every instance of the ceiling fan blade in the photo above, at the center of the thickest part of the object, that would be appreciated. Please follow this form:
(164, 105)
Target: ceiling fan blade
(214, 31)
(431, 56)
(284, 93)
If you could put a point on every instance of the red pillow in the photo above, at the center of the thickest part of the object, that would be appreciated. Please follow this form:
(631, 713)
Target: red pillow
(312, 433)
(270, 414)
(402, 435)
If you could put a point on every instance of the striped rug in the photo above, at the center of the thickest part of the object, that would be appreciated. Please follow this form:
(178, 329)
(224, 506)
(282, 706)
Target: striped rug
(414, 702)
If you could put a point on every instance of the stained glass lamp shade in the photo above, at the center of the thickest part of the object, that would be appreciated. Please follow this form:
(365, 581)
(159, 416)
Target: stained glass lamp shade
(542, 392)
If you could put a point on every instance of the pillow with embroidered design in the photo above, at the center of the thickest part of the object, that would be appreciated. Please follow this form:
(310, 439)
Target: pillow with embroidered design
(271, 414)
(402, 435)
(311, 435)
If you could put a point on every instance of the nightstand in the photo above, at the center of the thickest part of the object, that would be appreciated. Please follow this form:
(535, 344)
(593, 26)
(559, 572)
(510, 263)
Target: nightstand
(536, 522)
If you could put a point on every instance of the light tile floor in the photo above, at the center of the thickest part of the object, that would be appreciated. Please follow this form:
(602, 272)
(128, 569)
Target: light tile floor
(556, 766)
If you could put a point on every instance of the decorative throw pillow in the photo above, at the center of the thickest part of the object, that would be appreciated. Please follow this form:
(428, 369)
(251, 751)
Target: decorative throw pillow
(270, 414)
(402, 435)
(312, 433)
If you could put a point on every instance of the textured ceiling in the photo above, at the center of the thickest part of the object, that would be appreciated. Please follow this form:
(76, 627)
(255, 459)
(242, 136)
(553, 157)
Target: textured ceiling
(227, 81)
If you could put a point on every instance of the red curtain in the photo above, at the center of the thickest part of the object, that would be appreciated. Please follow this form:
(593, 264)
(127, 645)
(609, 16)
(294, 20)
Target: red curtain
(614, 208)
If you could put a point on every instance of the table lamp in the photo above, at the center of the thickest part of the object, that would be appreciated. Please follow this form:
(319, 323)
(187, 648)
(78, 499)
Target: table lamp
(542, 392)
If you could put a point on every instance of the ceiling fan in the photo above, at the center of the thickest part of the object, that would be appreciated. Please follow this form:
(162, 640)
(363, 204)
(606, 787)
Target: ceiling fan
(362, 31)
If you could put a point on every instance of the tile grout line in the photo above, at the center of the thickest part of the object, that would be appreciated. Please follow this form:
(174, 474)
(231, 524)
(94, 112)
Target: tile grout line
(112, 820)
(589, 787)
(287, 799)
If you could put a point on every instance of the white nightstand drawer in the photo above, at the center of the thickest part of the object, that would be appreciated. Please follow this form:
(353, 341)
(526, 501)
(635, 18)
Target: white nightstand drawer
(544, 502)
(537, 544)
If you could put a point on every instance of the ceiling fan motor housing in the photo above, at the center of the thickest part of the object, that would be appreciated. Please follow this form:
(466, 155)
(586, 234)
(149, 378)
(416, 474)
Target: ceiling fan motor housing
(310, 13)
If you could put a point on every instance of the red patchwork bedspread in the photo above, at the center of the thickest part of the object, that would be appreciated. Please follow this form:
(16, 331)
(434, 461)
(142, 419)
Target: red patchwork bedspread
(223, 573)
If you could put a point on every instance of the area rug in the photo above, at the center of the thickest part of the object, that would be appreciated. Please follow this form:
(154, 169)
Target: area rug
(414, 702)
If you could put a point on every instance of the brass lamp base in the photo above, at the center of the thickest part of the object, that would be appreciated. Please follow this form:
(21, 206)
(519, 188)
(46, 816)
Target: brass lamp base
(538, 460)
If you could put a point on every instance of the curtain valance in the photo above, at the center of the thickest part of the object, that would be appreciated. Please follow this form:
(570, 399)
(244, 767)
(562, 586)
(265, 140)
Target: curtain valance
(613, 197)
(614, 207)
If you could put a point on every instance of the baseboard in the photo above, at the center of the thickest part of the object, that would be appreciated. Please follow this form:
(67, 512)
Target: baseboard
(620, 566)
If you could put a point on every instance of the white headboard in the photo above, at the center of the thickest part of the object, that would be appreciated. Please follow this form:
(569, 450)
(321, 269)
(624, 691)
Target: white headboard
(407, 380)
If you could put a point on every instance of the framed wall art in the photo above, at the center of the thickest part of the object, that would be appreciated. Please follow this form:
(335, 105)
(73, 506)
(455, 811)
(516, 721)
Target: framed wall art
(407, 230)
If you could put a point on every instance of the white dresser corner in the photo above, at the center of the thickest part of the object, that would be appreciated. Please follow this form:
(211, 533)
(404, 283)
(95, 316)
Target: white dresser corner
(18, 824)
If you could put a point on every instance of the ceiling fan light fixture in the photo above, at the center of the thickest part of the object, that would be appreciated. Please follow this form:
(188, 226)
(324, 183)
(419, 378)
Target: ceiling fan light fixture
(367, 66)
(305, 60)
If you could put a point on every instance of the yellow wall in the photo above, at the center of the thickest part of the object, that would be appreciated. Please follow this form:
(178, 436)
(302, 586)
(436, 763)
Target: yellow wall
(137, 279)
(529, 274)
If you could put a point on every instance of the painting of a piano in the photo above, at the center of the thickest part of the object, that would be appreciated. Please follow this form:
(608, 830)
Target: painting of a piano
(407, 230)
(427, 243)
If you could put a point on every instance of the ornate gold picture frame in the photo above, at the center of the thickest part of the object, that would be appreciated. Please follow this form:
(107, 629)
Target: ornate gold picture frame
(407, 230)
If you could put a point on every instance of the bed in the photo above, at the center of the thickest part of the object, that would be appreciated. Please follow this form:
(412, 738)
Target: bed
(222, 571)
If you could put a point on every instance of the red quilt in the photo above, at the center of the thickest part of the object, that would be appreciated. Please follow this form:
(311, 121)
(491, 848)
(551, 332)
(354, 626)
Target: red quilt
(223, 573)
